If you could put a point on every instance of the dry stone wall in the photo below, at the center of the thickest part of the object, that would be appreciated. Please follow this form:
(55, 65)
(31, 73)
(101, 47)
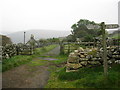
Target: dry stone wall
(91, 57)
(8, 51)
(11, 50)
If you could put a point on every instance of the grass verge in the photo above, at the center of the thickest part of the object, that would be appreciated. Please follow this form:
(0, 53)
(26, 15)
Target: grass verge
(84, 78)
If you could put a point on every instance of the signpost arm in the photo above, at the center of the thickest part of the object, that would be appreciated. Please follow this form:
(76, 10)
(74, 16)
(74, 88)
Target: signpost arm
(104, 49)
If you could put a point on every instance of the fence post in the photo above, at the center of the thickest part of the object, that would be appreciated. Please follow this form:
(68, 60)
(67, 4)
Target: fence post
(61, 47)
(17, 50)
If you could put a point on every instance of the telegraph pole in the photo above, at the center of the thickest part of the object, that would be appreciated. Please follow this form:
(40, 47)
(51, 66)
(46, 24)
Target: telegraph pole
(105, 64)
(24, 37)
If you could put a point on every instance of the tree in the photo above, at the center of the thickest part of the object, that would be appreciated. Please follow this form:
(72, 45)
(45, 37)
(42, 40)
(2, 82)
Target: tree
(88, 38)
(80, 30)
(74, 26)
(70, 38)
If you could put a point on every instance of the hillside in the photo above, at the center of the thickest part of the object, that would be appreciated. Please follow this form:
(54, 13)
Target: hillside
(112, 31)
(18, 37)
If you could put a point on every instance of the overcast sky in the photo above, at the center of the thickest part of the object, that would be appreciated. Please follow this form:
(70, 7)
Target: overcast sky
(19, 15)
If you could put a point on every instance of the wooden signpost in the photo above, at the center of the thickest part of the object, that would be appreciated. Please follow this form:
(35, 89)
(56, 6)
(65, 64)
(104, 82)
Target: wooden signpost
(104, 49)
(102, 26)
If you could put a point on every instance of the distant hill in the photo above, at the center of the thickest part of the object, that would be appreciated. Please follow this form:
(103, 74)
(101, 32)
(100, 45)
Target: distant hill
(112, 31)
(115, 34)
(18, 37)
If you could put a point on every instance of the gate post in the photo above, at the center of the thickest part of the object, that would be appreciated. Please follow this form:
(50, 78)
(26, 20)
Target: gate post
(61, 47)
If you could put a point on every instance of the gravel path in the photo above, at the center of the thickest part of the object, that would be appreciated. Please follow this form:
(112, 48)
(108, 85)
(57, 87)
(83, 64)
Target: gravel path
(26, 76)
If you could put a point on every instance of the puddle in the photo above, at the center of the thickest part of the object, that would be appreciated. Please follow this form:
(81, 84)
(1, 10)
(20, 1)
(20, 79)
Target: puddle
(43, 58)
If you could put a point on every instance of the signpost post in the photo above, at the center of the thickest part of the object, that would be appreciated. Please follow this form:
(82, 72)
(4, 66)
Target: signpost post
(104, 49)
(102, 26)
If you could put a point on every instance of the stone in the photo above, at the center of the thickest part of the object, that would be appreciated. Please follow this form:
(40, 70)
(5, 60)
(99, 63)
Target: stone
(94, 59)
(117, 61)
(82, 56)
(85, 54)
(83, 63)
(109, 62)
(94, 62)
(76, 51)
(71, 54)
(74, 66)
(80, 49)
(84, 59)
(74, 59)
(115, 52)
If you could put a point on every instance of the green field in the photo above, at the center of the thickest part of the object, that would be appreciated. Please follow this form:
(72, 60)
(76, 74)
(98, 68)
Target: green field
(116, 36)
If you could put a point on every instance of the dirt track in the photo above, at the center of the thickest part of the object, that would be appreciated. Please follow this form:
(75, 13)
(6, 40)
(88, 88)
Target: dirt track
(26, 76)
